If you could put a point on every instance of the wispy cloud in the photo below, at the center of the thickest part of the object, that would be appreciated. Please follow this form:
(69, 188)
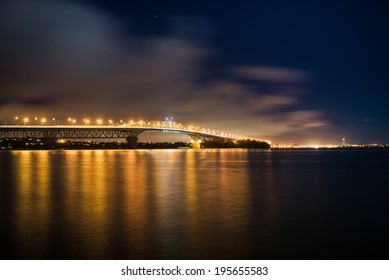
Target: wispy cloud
(272, 74)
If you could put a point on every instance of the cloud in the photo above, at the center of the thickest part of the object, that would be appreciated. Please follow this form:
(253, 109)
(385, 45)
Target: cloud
(272, 74)
(75, 60)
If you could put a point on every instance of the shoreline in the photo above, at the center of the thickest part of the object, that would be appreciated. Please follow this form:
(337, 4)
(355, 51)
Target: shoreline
(190, 148)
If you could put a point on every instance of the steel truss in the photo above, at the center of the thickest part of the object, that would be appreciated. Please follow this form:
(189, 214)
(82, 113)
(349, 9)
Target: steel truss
(9, 132)
(68, 133)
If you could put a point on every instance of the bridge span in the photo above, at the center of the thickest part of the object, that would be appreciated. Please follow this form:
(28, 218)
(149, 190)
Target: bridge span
(130, 132)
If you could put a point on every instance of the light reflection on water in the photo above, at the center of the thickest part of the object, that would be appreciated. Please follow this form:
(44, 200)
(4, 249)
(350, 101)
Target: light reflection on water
(186, 204)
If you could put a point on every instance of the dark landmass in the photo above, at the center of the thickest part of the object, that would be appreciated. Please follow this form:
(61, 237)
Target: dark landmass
(238, 144)
(49, 144)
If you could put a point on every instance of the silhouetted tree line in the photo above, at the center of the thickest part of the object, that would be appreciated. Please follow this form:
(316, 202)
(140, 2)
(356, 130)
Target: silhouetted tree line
(253, 144)
(162, 145)
(28, 144)
(238, 144)
(44, 144)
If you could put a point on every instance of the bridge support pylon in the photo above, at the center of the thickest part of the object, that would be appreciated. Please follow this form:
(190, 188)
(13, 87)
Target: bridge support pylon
(51, 142)
(196, 143)
(131, 141)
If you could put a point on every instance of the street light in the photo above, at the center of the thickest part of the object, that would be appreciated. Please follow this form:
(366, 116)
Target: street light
(25, 120)
(43, 121)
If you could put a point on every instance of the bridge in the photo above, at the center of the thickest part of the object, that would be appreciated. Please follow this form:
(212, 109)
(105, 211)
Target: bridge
(129, 131)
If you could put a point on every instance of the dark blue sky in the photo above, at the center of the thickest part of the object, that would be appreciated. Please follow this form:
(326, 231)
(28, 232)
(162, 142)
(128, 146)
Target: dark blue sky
(320, 66)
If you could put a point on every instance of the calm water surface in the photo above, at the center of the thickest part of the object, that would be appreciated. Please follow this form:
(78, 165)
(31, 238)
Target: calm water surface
(185, 204)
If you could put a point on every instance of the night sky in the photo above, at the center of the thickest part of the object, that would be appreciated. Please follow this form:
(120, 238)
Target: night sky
(306, 72)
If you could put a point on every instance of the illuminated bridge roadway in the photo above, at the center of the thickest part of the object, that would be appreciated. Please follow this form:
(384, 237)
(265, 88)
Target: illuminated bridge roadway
(128, 131)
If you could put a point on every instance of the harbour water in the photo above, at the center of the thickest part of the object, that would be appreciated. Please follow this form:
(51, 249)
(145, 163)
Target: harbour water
(187, 204)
